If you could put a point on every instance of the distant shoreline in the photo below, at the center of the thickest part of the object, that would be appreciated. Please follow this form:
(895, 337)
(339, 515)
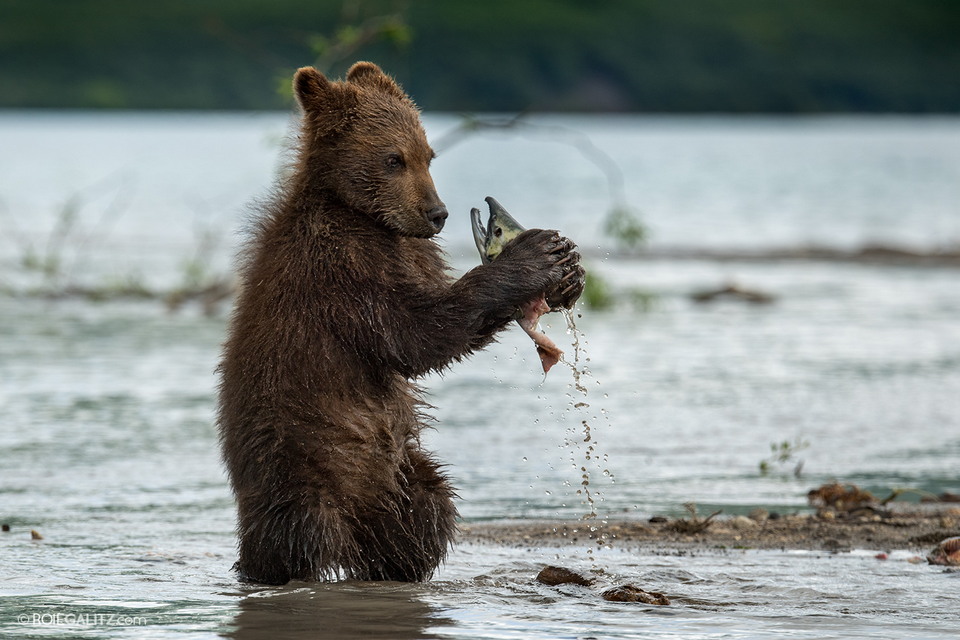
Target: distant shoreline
(884, 254)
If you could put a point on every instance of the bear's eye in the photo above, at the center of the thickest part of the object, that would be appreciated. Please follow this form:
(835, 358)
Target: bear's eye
(393, 161)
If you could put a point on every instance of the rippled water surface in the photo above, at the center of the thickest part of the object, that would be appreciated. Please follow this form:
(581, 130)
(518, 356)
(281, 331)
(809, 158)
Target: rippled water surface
(108, 448)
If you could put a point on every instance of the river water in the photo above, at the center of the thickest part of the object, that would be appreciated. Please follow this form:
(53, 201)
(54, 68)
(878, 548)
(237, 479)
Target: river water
(109, 451)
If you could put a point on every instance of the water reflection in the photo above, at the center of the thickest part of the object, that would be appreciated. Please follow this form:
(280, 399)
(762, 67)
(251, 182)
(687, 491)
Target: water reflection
(341, 610)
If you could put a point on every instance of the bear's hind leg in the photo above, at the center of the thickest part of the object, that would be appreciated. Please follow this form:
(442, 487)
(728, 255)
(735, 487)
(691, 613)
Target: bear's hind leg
(407, 540)
(294, 540)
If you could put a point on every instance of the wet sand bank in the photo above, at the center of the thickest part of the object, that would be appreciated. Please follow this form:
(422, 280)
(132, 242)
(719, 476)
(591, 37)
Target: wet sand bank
(917, 529)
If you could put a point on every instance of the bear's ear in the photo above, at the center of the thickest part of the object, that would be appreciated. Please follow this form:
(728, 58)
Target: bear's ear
(370, 76)
(312, 89)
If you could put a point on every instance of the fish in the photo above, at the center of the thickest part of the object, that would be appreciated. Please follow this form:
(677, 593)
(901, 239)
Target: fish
(490, 239)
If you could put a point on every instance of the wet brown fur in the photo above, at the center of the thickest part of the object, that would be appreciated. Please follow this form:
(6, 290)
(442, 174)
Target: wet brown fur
(345, 301)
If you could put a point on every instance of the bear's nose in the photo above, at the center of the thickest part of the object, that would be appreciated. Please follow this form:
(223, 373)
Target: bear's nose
(437, 216)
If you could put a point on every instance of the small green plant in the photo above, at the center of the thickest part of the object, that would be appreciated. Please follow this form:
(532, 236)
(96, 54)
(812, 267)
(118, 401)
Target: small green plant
(625, 228)
(596, 292)
(355, 33)
(600, 295)
(49, 262)
(782, 453)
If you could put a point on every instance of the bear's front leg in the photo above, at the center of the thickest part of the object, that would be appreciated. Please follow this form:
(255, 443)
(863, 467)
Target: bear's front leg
(536, 264)
(463, 318)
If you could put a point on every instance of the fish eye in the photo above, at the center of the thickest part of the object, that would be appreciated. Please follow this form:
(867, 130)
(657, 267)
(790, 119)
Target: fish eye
(497, 232)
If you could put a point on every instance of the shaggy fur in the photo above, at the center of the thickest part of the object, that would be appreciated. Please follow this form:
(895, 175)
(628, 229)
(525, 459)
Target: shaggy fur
(345, 300)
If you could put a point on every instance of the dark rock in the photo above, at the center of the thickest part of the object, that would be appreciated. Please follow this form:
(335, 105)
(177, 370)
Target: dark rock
(732, 292)
(553, 576)
(630, 593)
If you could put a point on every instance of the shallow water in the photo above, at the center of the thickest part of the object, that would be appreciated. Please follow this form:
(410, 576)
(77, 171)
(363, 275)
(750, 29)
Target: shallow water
(108, 449)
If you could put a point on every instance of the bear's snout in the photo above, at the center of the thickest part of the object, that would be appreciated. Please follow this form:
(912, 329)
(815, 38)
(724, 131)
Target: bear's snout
(437, 216)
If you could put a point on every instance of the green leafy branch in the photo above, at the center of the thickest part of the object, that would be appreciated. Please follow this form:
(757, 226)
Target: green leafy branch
(783, 453)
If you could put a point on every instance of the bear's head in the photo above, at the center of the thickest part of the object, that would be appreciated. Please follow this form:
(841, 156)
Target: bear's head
(364, 142)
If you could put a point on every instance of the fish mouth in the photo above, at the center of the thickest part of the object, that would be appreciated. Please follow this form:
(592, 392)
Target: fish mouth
(500, 223)
(480, 234)
(500, 217)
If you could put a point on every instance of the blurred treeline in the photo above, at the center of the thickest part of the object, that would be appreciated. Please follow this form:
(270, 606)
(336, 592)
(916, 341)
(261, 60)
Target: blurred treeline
(491, 55)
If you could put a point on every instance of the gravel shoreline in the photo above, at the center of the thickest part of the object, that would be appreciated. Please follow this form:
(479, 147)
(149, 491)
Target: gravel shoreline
(913, 529)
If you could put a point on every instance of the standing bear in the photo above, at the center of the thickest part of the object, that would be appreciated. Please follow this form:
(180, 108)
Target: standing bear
(345, 301)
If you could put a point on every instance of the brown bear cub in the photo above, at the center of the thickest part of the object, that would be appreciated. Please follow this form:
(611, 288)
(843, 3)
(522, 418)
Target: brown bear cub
(345, 301)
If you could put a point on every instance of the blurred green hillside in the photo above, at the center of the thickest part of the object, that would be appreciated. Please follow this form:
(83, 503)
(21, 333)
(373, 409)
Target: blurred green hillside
(497, 55)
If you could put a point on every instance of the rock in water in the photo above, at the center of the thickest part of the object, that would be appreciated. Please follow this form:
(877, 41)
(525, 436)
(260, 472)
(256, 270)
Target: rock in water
(631, 593)
(553, 576)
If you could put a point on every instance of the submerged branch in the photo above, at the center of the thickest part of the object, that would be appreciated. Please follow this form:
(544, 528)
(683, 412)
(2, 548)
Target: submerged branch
(209, 296)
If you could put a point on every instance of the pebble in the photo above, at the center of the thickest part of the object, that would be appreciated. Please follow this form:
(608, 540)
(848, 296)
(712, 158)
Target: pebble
(742, 523)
